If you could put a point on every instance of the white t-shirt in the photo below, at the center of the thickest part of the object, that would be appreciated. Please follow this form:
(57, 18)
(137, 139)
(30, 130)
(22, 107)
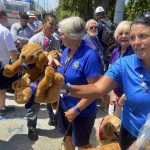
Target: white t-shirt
(6, 44)
(47, 44)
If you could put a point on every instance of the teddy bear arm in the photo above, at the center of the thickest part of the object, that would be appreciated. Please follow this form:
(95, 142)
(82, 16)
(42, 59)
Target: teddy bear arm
(47, 79)
(44, 83)
(11, 70)
(53, 92)
(23, 95)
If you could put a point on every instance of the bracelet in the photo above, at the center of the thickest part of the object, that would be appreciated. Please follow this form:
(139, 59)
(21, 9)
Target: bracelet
(76, 109)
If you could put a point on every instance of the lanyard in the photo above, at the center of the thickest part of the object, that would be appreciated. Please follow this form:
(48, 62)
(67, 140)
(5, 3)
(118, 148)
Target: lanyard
(66, 65)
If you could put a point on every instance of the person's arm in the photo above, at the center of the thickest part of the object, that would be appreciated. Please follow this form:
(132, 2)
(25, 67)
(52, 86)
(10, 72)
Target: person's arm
(81, 105)
(113, 97)
(13, 54)
(92, 91)
(14, 32)
(38, 30)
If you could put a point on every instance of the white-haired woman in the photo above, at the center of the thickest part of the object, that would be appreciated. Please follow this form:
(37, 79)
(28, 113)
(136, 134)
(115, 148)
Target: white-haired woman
(122, 37)
(80, 65)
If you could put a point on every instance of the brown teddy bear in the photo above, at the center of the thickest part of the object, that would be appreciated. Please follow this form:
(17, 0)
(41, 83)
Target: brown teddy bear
(40, 82)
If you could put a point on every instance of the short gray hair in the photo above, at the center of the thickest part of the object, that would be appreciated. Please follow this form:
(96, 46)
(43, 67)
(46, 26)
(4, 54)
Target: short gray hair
(73, 27)
(122, 26)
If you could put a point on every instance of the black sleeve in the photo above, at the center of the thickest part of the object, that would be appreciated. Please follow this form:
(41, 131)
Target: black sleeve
(5, 82)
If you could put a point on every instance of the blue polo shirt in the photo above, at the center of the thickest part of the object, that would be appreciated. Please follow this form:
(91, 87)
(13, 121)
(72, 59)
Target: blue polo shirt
(84, 64)
(127, 72)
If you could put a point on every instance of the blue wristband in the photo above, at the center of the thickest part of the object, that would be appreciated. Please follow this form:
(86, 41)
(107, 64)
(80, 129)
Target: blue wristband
(76, 109)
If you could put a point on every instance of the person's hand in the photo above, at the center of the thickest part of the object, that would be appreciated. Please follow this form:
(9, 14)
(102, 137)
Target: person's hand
(52, 61)
(113, 98)
(121, 100)
(70, 114)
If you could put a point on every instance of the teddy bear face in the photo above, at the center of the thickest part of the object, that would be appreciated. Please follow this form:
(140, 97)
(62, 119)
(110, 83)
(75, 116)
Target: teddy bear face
(30, 53)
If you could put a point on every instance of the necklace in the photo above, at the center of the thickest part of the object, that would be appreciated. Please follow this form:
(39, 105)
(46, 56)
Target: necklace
(144, 84)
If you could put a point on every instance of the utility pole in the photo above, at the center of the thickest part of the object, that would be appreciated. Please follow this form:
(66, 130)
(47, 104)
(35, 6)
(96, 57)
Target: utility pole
(44, 5)
(119, 11)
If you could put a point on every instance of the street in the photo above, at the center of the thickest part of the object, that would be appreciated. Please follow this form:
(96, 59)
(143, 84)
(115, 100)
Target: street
(13, 130)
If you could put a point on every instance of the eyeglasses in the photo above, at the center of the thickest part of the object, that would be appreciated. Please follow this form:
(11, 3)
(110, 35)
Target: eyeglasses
(93, 27)
(141, 37)
(145, 15)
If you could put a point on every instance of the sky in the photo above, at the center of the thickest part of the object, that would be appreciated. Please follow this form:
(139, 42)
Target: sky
(48, 4)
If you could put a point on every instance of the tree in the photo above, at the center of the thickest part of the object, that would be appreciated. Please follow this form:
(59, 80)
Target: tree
(136, 7)
(84, 8)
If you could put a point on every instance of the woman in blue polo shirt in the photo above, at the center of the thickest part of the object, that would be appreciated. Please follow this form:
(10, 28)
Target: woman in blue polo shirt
(133, 74)
(80, 65)
(122, 37)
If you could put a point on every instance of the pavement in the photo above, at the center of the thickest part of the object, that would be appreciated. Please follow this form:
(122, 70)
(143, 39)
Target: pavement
(13, 130)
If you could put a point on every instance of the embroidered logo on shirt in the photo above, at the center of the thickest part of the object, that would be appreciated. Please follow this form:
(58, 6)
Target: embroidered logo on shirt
(75, 65)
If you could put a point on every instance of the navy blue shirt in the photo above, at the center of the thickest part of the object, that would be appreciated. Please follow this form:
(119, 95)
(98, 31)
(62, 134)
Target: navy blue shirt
(130, 73)
(84, 64)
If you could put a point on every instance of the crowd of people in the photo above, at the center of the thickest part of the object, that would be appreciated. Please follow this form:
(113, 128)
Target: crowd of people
(92, 64)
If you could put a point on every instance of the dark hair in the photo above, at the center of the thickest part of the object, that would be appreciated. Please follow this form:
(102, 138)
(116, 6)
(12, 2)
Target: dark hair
(2, 13)
(143, 18)
(24, 15)
(47, 15)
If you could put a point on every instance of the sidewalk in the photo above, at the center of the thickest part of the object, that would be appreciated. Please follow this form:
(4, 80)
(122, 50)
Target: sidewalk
(13, 130)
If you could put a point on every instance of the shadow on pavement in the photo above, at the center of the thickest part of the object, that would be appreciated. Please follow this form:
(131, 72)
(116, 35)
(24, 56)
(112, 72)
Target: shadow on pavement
(17, 142)
(52, 133)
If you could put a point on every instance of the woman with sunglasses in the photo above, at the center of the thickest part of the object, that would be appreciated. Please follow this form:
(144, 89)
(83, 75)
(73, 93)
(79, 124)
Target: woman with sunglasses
(133, 74)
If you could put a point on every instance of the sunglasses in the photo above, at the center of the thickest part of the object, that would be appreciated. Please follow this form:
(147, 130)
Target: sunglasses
(145, 15)
(93, 27)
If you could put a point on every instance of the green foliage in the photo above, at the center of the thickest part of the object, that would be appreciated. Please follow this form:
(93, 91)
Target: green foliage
(85, 8)
(82, 8)
(111, 10)
(136, 7)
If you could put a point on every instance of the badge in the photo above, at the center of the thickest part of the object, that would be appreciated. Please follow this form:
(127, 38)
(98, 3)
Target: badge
(75, 65)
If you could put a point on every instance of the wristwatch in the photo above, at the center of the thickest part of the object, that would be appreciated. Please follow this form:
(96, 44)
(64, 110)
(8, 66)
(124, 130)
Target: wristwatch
(68, 90)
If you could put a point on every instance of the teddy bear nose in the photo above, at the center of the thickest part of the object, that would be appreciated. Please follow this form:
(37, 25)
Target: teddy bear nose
(23, 57)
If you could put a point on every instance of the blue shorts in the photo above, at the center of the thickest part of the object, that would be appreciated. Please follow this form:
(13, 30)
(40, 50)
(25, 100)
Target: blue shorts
(80, 129)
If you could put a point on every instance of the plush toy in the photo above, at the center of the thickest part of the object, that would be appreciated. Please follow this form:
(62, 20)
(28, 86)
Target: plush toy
(40, 83)
(108, 133)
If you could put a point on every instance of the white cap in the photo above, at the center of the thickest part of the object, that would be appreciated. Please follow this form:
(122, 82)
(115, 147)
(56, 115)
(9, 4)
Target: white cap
(31, 14)
(99, 10)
